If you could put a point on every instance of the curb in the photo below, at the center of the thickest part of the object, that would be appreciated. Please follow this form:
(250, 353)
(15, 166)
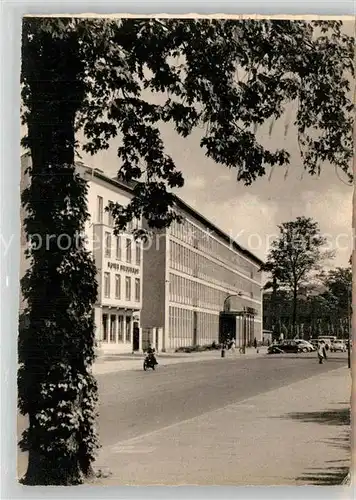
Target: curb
(133, 364)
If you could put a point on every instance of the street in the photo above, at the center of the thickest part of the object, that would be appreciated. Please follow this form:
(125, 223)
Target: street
(135, 403)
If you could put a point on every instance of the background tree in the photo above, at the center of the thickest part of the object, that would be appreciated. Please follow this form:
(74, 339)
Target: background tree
(295, 255)
(227, 77)
(339, 294)
(326, 303)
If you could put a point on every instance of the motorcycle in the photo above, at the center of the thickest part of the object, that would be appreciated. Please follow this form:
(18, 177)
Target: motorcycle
(150, 362)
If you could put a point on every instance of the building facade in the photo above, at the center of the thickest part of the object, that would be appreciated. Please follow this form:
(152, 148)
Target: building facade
(189, 270)
(118, 260)
(170, 289)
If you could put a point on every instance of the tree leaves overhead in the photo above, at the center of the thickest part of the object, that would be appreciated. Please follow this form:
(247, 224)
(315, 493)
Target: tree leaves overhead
(225, 76)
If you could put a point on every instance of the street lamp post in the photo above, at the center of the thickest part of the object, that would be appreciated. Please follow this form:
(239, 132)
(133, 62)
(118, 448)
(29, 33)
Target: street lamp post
(230, 296)
(349, 291)
(244, 332)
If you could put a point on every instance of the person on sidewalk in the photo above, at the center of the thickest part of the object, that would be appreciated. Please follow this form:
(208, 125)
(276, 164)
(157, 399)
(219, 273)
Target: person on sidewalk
(321, 352)
(151, 354)
(255, 343)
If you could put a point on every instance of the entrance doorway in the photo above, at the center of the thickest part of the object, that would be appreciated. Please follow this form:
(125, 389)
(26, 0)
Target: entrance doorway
(136, 337)
(227, 328)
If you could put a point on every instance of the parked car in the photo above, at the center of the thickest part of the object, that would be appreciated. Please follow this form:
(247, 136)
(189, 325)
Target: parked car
(305, 345)
(275, 349)
(327, 339)
(338, 345)
(314, 342)
(284, 347)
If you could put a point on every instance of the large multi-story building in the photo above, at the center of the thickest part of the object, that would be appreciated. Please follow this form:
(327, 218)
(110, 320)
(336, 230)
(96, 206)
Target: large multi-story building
(174, 284)
(118, 260)
(189, 272)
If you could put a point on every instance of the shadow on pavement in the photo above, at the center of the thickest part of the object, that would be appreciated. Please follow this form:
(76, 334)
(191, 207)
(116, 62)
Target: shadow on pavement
(340, 416)
(334, 471)
(342, 443)
(329, 476)
(308, 356)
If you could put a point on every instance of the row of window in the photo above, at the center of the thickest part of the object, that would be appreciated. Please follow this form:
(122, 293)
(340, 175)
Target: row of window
(187, 327)
(109, 251)
(118, 291)
(202, 240)
(115, 329)
(189, 292)
(188, 261)
(134, 224)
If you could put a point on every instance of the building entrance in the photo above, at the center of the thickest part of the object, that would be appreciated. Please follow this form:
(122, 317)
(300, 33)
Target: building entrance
(136, 337)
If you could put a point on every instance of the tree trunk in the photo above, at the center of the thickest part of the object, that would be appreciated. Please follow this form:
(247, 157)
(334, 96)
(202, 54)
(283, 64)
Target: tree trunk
(294, 310)
(58, 344)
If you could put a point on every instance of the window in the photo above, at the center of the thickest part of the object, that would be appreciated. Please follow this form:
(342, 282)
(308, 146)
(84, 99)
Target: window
(178, 266)
(128, 250)
(106, 285)
(100, 209)
(128, 287)
(137, 289)
(118, 247)
(107, 245)
(117, 286)
(110, 217)
(138, 253)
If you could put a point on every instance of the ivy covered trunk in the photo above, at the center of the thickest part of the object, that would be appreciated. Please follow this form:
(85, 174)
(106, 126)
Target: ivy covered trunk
(56, 348)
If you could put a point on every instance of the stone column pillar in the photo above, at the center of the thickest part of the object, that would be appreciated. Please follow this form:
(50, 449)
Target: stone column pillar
(108, 326)
(154, 337)
(124, 328)
(116, 329)
(164, 340)
(160, 339)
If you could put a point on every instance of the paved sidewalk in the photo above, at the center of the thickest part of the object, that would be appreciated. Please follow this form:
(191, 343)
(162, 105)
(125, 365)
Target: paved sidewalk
(296, 435)
(123, 362)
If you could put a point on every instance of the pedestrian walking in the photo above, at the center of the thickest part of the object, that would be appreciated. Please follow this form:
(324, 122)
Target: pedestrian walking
(325, 349)
(232, 345)
(255, 343)
(321, 352)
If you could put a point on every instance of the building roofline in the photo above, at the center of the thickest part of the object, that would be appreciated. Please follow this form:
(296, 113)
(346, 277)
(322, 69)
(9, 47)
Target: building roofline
(120, 184)
(182, 204)
(218, 231)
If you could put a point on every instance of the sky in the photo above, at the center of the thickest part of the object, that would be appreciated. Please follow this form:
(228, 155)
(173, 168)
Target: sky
(251, 214)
